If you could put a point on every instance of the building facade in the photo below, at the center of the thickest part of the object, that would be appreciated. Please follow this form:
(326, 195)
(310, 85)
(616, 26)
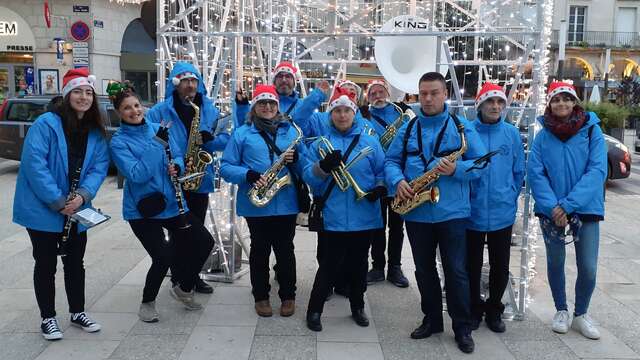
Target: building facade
(93, 33)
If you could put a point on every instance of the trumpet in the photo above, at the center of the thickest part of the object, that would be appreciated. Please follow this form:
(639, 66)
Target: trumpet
(341, 174)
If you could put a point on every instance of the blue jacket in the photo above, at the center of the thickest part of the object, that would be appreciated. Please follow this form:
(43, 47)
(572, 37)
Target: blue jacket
(387, 114)
(302, 107)
(342, 212)
(141, 158)
(208, 121)
(494, 195)
(246, 151)
(454, 190)
(570, 174)
(43, 179)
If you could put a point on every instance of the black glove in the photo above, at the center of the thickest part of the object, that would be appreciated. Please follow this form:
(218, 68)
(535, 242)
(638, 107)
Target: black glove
(403, 106)
(377, 192)
(206, 136)
(331, 161)
(295, 156)
(177, 167)
(241, 98)
(364, 111)
(163, 134)
(252, 176)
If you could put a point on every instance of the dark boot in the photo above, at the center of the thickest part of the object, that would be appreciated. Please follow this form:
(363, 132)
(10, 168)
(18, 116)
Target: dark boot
(396, 277)
(425, 330)
(475, 321)
(202, 287)
(374, 276)
(360, 317)
(313, 321)
(465, 343)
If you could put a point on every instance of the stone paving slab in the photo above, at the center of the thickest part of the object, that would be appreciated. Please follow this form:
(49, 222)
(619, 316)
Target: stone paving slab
(351, 351)
(283, 347)
(79, 350)
(221, 342)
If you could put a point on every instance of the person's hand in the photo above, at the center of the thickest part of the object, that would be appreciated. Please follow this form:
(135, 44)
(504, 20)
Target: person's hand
(324, 87)
(163, 132)
(206, 136)
(71, 206)
(404, 191)
(173, 170)
(331, 161)
(377, 192)
(290, 156)
(255, 178)
(559, 216)
(446, 167)
(241, 97)
(402, 106)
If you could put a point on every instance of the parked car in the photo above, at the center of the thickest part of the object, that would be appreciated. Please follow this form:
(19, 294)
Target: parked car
(17, 115)
(618, 159)
(637, 141)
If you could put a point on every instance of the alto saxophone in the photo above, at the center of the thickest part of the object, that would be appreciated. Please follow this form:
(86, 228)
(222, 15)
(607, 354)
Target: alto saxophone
(423, 186)
(195, 159)
(260, 196)
(391, 130)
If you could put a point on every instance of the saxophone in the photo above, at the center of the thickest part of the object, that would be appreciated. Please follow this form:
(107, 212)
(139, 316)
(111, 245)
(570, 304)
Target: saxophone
(260, 196)
(195, 159)
(391, 130)
(423, 186)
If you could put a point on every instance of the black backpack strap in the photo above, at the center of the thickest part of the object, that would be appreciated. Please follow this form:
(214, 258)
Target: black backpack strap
(379, 120)
(291, 107)
(332, 183)
(405, 141)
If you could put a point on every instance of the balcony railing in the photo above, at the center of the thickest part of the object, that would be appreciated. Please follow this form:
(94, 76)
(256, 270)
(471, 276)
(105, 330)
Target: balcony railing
(599, 39)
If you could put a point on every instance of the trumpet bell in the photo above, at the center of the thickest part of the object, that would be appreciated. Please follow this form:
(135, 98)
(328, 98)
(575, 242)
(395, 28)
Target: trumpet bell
(403, 59)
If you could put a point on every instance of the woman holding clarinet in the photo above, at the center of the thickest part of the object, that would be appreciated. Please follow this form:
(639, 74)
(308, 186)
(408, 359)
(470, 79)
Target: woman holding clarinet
(152, 200)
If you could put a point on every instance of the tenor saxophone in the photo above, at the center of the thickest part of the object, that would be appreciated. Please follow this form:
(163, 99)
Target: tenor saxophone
(260, 196)
(391, 130)
(423, 186)
(195, 159)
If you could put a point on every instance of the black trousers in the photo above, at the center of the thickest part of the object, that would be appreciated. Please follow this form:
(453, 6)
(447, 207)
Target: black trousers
(45, 254)
(198, 204)
(499, 244)
(186, 243)
(339, 282)
(190, 247)
(350, 249)
(396, 237)
(450, 236)
(275, 232)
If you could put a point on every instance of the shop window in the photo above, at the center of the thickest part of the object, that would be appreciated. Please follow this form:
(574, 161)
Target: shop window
(25, 111)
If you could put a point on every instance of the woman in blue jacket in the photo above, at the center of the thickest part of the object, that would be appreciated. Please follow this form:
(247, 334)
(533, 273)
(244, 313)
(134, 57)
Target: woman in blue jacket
(567, 169)
(60, 144)
(494, 201)
(348, 222)
(254, 148)
(150, 203)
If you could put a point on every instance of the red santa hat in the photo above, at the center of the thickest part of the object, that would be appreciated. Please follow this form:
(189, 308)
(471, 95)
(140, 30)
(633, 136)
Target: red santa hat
(488, 91)
(75, 78)
(265, 93)
(377, 82)
(558, 87)
(342, 97)
(285, 67)
(185, 75)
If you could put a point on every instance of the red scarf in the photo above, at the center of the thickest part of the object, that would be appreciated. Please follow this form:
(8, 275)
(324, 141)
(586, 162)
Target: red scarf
(565, 129)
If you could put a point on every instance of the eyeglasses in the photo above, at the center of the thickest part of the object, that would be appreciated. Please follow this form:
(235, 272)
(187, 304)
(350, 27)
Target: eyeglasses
(267, 103)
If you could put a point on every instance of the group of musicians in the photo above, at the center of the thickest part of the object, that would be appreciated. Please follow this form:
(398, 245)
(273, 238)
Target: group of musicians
(452, 182)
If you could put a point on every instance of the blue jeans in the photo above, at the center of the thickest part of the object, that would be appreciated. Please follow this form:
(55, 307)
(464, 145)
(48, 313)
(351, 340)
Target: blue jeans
(586, 261)
(450, 236)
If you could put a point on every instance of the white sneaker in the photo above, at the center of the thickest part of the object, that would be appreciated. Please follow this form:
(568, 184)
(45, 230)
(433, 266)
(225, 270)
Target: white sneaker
(585, 326)
(561, 322)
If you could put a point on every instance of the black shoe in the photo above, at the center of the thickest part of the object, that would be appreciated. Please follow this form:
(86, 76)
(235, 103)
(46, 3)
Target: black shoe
(396, 277)
(313, 321)
(465, 343)
(329, 295)
(495, 323)
(342, 291)
(202, 287)
(374, 276)
(475, 322)
(425, 330)
(360, 317)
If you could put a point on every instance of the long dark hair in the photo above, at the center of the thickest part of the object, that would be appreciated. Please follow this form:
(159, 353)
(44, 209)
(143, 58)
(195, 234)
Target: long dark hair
(92, 119)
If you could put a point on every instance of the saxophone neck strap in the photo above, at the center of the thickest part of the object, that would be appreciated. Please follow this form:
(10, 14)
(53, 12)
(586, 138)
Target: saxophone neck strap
(436, 149)
(274, 149)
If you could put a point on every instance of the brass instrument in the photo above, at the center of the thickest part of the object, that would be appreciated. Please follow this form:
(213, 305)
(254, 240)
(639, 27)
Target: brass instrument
(341, 175)
(195, 159)
(423, 186)
(260, 196)
(392, 129)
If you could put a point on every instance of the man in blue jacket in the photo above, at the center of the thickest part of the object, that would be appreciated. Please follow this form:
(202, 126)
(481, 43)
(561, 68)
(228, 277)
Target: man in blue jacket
(185, 81)
(430, 137)
(284, 80)
(494, 201)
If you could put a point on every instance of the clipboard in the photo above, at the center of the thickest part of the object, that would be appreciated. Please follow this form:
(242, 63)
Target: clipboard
(90, 217)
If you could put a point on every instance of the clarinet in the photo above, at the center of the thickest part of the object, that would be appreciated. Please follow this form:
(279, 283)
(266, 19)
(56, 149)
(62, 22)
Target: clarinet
(68, 223)
(184, 224)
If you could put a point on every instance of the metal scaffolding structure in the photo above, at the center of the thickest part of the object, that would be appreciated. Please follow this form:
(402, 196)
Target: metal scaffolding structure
(236, 43)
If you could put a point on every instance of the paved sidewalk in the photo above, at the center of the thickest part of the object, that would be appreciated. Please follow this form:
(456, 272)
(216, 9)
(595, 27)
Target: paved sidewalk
(229, 329)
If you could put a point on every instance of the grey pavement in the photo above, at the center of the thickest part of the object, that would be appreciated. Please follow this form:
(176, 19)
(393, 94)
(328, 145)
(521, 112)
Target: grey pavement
(228, 328)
